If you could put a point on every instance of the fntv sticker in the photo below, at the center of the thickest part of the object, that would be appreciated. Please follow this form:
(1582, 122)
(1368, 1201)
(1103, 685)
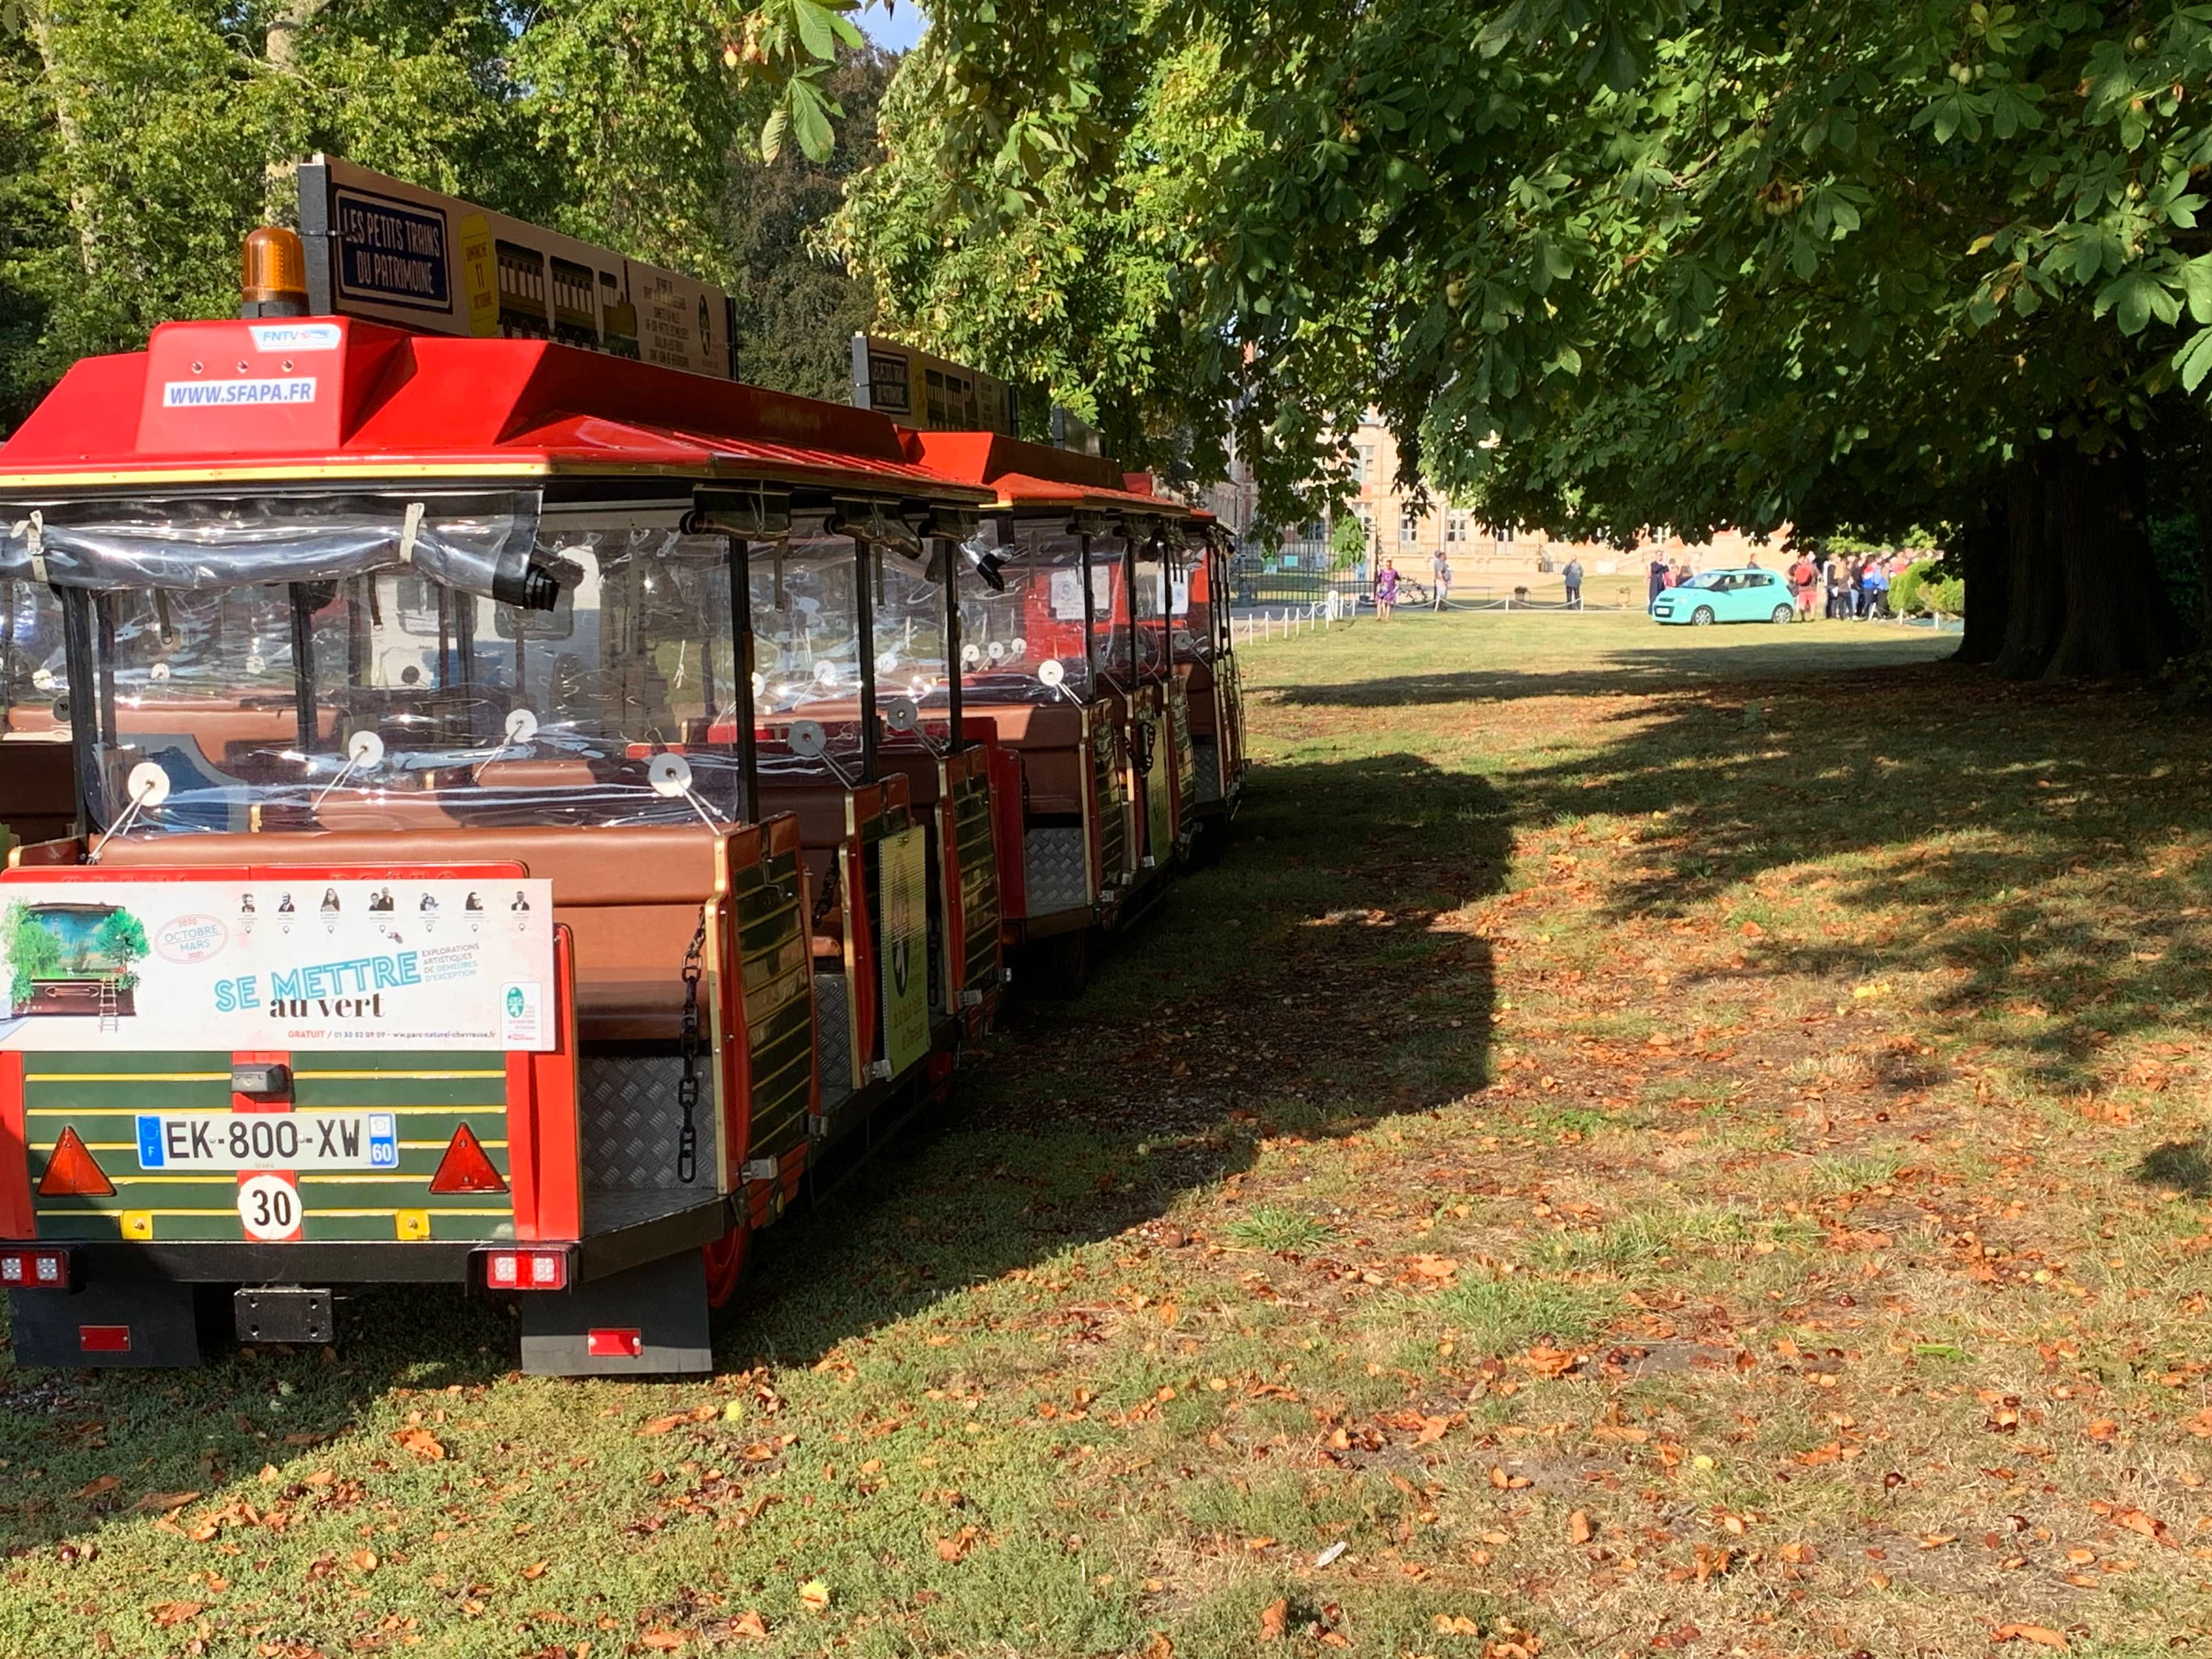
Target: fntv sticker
(296, 337)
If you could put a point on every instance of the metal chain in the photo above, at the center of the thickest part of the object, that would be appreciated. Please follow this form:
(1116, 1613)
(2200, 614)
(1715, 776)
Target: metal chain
(687, 1088)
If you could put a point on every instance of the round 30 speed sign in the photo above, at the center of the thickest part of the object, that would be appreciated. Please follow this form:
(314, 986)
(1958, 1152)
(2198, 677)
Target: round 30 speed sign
(269, 1205)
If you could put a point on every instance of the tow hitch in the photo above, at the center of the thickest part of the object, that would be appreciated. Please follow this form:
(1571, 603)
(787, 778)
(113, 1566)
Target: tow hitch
(284, 1313)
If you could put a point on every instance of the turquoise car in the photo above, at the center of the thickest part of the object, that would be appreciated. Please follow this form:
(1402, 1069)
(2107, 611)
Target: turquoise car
(1720, 596)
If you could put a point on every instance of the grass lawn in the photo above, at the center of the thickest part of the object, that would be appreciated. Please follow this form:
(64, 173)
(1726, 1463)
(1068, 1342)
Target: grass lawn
(1653, 1141)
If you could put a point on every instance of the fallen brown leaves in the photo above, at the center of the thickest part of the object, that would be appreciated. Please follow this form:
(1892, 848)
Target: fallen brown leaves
(2041, 1635)
(677, 1420)
(1547, 1361)
(421, 1443)
(2135, 1519)
(1274, 1619)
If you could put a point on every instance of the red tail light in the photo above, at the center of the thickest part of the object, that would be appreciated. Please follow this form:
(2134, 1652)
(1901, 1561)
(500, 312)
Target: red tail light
(464, 1169)
(526, 1269)
(73, 1171)
(28, 1269)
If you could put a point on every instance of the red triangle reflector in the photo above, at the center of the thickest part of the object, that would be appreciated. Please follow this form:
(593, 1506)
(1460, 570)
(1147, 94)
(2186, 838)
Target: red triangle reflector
(464, 1169)
(73, 1170)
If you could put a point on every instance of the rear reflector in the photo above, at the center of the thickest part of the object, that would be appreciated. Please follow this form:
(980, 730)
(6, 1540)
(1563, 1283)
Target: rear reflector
(26, 1269)
(464, 1169)
(526, 1269)
(73, 1171)
(606, 1344)
(104, 1339)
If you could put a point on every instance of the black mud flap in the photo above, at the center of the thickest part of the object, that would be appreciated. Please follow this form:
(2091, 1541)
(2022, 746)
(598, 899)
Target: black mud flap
(122, 1323)
(649, 1321)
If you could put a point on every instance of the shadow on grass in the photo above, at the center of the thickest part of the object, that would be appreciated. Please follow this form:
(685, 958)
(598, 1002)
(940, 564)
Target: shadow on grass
(1308, 985)
(1764, 659)
(2030, 847)
(1297, 987)
(82, 1447)
(2179, 1164)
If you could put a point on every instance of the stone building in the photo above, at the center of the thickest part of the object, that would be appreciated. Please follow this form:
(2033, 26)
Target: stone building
(1400, 528)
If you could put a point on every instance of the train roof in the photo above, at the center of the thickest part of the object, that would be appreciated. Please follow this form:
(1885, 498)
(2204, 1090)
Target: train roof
(1027, 475)
(322, 399)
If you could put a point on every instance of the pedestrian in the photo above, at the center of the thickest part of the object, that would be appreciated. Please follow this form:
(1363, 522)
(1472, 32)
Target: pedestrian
(1440, 581)
(1386, 590)
(1836, 575)
(1804, 579)
(1573, 575)
(1661, 580)
(1875, 584)
(1682, 576)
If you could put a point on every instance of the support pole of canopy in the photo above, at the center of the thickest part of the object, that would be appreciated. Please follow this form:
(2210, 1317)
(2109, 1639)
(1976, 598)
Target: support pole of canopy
(863, 563)
(949, 552)
(741, 629)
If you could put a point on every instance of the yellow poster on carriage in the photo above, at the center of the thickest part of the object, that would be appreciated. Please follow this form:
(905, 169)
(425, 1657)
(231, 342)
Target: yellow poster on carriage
(903, 874)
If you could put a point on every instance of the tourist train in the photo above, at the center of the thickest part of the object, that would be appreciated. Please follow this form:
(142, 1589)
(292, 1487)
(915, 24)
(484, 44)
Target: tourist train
(511, 807)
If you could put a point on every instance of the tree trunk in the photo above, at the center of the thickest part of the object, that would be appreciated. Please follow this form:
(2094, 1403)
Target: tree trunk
(2118, 618)
(84, 211)
(2034, 591)
(2196, 466)
(1985, 564)
(280, 190)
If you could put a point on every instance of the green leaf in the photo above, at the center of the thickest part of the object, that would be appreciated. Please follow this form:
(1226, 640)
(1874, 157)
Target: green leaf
(2137, 296)
(810, 120)
(773, 131)
(2194, 361)
(2197, 284)
(817, 32)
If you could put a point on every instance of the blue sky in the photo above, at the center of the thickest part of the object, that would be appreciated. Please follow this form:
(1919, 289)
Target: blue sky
(894, 30)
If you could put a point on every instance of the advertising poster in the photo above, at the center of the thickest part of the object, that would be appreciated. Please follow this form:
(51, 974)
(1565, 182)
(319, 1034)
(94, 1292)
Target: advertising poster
(1159, 809)
(270, 965)
(394, 253)
(931, 394)
(903, 874)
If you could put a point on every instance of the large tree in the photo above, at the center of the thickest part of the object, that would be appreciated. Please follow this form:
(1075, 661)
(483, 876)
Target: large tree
(1846, 264)
(140, 139)
(797, 305)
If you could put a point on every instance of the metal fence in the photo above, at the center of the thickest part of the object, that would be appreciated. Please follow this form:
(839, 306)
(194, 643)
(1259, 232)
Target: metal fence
(1262, 589)
(1305, 573)
(1254, 624)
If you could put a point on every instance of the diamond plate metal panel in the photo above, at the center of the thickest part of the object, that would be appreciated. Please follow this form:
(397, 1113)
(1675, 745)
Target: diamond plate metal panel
(631, 1122)
(1206, 763)
(1059, 879)
(833, 1042)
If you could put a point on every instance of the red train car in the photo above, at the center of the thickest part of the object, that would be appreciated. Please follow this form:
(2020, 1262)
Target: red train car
(1068, 658)
(451, 902)
(495, 813)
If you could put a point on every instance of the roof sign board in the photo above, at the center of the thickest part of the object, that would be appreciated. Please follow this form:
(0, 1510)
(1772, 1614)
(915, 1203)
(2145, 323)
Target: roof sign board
(394, 253)
(928, 393)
